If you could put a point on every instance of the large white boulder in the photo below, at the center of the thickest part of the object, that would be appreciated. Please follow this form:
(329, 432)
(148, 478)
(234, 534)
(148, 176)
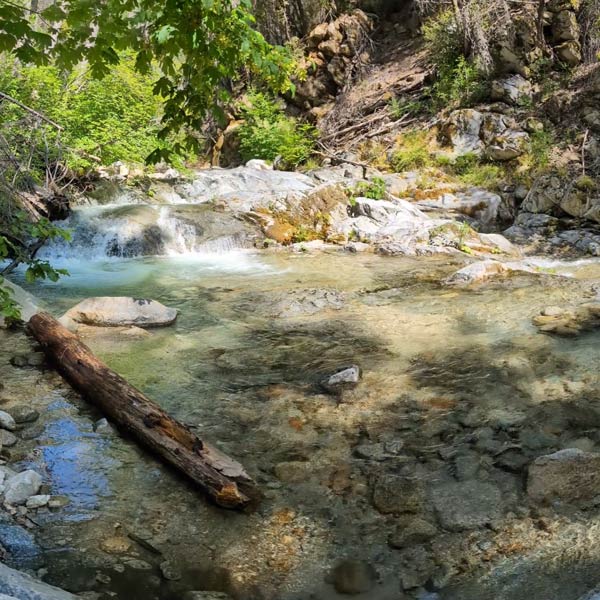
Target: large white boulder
(22, 486)
(120, 311)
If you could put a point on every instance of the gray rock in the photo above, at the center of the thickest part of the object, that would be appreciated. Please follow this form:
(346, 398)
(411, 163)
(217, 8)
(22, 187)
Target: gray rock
(411, 531)
(37, 501)
(22, 586)
(416, 567)
(569, 475)
(345, 377)
(306, 302)
(394, 494)
(353, 577)
(22, 413)
(513, 89)
(467, 505)
(120, 312)
(23, 485)
(7, 421)
(7, 439)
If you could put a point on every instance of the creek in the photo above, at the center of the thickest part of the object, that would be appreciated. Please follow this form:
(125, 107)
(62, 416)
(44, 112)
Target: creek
(256, 333)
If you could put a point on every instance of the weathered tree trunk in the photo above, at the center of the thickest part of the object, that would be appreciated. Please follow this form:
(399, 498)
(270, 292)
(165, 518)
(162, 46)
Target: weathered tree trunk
(224, 480)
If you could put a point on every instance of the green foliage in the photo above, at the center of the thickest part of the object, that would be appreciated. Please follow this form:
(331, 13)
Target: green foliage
(18, 236)
(471, 170)
(268, 133)
(459, 82)
(374, 189)
(412, 152)
(198, 47)
(113, 119)
(541, 146)
(400, 108)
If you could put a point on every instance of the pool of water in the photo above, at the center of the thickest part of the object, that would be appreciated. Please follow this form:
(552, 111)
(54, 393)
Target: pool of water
(242, 365)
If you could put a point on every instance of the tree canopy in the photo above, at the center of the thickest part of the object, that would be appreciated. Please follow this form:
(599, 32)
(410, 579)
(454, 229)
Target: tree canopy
(198, 46)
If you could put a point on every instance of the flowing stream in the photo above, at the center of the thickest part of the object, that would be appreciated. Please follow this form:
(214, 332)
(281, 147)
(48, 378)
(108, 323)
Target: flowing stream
(256, 332)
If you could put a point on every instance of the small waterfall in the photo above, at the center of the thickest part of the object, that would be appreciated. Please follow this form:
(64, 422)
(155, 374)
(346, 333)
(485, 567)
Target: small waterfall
(179, 236)
(130, 231)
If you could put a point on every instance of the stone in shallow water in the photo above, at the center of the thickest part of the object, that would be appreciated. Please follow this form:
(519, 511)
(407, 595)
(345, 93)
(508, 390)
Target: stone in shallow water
(410, 531)
(353, 577)
(7, 421)
(120, 311)
(37, 501)
(467, 504)
(394, 494)
(21, 486)
(116, 544)
(570, 475)
(7, 438)
(22, 413)
(344, 377)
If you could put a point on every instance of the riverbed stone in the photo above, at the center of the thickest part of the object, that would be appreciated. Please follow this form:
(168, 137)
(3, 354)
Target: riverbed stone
(21, 413)
(411, 530)
(467, 504)
(569, 475)
(121, 311)
(116, 544)
(7, 421)
(37, 501)
(343, 378)
(353, 577)
(21, 486)
(7, 439)
(394, 494)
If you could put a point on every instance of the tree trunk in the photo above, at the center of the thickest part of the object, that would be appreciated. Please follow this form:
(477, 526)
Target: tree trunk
(223, 479)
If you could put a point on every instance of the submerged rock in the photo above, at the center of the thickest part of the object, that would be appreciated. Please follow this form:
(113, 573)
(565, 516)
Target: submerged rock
(298, 303)
(395, 494)
(22, 413)
(7, 421)
(353, 577)
(568, 321)
(570, 475)
(410, 531)
(120, 311)
(467, 504)
(482, 271)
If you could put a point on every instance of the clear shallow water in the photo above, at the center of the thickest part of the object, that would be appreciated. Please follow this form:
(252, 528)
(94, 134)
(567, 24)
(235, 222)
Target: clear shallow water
(245, 374)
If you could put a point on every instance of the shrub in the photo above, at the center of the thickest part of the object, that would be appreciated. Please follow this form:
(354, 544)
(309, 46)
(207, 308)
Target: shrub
(268, 133)
(459, 81)
(375, 189)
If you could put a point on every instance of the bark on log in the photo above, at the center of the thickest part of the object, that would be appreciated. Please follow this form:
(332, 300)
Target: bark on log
(224, 479)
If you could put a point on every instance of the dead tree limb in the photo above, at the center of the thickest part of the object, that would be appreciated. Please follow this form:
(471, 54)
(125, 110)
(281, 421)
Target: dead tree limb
(222, 478)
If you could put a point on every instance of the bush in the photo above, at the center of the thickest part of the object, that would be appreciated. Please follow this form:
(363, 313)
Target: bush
(459, 82)
(268, 133)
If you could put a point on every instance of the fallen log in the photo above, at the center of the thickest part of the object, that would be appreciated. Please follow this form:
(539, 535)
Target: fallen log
(221, 477)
